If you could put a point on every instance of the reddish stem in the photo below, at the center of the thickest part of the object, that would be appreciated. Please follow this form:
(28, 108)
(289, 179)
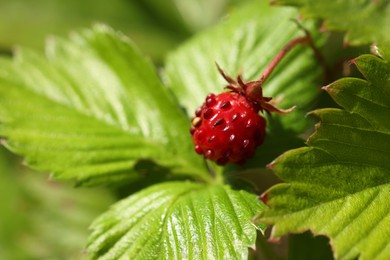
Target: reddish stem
(253, 90)
(281, 54)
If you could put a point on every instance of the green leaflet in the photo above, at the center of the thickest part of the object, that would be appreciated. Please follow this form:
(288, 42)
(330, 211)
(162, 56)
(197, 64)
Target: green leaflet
(365, 21)
(339, 185)
(178, 220)
(247, 41)
(90, 109)
(43, 219)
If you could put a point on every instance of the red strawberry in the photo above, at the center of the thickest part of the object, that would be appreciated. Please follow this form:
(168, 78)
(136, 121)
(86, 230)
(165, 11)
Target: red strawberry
(227, 128)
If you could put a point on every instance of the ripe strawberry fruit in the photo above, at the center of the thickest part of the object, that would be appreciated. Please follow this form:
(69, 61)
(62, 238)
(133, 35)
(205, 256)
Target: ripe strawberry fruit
(227, 128)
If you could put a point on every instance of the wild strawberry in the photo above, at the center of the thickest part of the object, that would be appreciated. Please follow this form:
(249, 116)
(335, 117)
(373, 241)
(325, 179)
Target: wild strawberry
(227, 128)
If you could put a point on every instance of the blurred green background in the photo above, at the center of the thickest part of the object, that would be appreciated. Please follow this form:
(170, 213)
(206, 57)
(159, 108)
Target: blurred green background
(44, 219)
(156, 26)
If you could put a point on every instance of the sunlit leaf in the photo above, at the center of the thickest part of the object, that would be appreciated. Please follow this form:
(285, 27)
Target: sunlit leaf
(178, 220)
(340, 184)
(90, 109)
(248, 41)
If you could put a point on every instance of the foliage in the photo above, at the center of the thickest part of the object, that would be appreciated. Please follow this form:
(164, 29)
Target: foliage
(42, 218)
(247, 43)
(92, 110)
(177, 219)
(102, 132)
(339, 185)
(365, 21)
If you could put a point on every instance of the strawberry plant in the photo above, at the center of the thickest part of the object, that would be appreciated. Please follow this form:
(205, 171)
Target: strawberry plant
(93, 110)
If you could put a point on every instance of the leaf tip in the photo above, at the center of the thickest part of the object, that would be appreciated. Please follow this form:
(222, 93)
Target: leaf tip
(271, 165)
(273, 238)
(353, 61)
(374, 49)
(264, 198)
(25, 163)
(3, 142)
(346, 44)
(323, 28)
(326, 88)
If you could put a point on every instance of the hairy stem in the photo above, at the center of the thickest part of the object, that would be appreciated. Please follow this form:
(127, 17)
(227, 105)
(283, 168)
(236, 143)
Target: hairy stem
(307, 39)
(281, 54)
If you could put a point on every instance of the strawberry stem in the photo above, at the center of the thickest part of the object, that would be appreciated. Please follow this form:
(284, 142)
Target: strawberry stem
(307, 39)
(253, 90)
(281, 54)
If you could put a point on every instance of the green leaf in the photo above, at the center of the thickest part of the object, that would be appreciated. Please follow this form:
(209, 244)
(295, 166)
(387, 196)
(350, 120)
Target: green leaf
(365, 21)
(178, 220)
(90, 109)
(247, 42)
(340, 184)
(43, 219)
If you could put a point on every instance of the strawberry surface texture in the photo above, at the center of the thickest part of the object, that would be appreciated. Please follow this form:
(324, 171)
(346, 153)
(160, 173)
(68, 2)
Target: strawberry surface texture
(227, 128)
